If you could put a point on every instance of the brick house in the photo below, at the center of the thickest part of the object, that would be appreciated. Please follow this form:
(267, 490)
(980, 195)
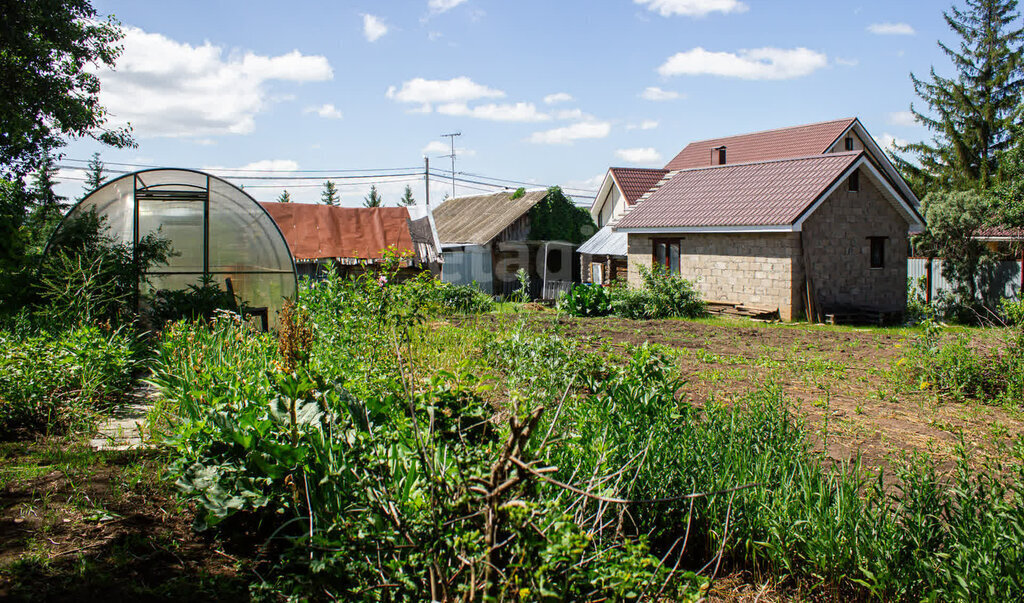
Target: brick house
(809, 217)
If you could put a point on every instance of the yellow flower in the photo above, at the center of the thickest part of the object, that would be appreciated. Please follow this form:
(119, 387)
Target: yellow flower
(925, 384)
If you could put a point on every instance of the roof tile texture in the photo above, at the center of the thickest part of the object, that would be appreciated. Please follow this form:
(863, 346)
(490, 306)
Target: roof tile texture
(771, 193)
(478, 219)
(797, 141)
(634, 182)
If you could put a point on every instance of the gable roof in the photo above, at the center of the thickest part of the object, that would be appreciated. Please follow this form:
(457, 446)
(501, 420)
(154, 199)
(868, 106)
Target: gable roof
(606, 242)
(770, 193)
(634, 182)
(796, 141)
(478, 219)
(318, 232)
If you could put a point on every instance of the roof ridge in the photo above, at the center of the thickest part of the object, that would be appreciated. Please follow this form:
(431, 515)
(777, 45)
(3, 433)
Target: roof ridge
(770, 130)
(767, 161)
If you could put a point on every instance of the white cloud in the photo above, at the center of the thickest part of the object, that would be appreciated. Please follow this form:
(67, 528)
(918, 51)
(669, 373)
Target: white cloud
(847, 62)
(902, 118)
(434, 36)
(639, 155)
(523, 112)
(168, 88)
(373, 28)
(263, 165)
(754, 64)
(568, 134)
(436, 147)
(889, 142)
(558, 97)
(647, 124)
(327, 111)
(891, 29)
(426, 92)
(441, 6)
(654, 93)
(569, 114)
(693, 8)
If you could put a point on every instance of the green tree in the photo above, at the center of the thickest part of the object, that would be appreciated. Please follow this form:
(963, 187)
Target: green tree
(971, 114)
(46, 206)
(407, 198)
(285, 197)
(953, 218)
(329, 196)
(48, 91)
(94, 175)
(556, 218)
(373, 198)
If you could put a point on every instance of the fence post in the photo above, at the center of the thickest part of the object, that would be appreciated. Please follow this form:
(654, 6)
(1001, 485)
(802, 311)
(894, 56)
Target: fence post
(928, 281)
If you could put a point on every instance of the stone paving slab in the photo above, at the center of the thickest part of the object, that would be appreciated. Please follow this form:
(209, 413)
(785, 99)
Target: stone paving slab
(126, 428)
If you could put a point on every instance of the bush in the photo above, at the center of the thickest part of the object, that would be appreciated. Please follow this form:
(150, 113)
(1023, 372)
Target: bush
(462, 299)
(51, 383)
(663, 295)
(586, 300)
(196, 302)
(1013, 310)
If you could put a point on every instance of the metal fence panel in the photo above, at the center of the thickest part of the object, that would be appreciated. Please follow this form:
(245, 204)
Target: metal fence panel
(1006, 276)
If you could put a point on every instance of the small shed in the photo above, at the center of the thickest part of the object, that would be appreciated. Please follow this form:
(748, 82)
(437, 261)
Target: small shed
(348, 239)
(486, 239)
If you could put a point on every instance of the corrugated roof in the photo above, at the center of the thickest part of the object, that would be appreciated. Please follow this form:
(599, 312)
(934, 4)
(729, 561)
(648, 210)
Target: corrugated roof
(767, 193)
(634, 182)
(478, 219)
(796, 141)
(605, 242)
(322, 231)
(1000, 232)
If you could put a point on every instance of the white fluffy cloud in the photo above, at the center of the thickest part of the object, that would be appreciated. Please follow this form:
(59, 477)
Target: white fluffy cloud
(889, 142)
(436, 147)
(558, 97)
(639, 155)
(522, 112)
(426, 92)
(902, 118)
(568, 134)
(441, 6)
(754, 64)
(847, 62)
(654, 93)
(891, 29)
(373, 28)
(647, 124)
(326, 110)
(168, 88)
(254, 168)
(692, 8)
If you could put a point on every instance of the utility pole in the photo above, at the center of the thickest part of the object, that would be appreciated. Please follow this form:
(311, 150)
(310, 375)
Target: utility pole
(426, 179)
(452, 137)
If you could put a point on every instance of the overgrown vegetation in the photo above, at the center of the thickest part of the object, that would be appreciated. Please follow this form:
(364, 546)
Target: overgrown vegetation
(663, 295)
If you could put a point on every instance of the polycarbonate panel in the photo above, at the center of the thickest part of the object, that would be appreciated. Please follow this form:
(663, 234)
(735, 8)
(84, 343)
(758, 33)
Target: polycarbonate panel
(113, 203)
(242, 235)
(181, 223)
(178, 179)
(262, 290)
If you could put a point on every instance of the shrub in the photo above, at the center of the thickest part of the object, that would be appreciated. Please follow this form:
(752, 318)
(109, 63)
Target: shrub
(50, 383)
(462, 299)
(663, 296)
(586, 300)
(1013, 310)
(196, 302)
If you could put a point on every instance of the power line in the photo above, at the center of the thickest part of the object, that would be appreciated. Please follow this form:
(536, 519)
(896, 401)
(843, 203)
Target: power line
(452, 137)
(244, 177)
(146, 165)
(500, 186)
(585, 190)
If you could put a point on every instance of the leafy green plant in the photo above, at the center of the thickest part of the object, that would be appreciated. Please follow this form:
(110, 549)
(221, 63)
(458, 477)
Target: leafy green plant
(195, 302)
(586, 300)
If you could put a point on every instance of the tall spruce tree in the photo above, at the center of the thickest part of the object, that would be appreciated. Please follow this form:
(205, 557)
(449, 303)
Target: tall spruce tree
(407, 198)
(285, 197)
(94, 173)
(329, 196)
(972, 114)
(47, 206)
(373, 198)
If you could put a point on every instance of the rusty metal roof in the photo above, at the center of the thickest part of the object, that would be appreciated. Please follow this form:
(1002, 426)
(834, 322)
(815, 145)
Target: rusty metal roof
(634, 182)
(796, 141)
(325, 232)
(478, 219)
(768, 193)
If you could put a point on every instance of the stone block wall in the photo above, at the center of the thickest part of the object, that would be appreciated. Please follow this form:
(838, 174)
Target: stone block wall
(755, 269)
(839, 249)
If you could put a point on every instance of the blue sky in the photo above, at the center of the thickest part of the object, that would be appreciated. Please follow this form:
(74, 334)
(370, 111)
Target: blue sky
(549, 92)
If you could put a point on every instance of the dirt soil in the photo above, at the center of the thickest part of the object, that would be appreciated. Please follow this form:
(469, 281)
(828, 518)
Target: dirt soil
(841, 380)
(80, 525)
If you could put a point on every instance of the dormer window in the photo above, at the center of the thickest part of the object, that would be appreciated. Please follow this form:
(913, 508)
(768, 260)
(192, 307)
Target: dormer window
(853, 182)
(721, 155)
(849, 143)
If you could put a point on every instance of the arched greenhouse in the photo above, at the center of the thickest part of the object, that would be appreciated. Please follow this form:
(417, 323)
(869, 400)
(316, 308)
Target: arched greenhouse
(215, 229)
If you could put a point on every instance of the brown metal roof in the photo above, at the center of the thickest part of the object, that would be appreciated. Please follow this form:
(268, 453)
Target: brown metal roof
(796, 141)
(322, 231)
(634, 182)
(768, 193)
(478, 219)
(1000, 232)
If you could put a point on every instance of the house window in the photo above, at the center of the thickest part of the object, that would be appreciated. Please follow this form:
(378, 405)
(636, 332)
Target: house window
(721, 155)
(877, 251)
(666, 254)
(849, 143)
(853, 181)
(596, 273)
